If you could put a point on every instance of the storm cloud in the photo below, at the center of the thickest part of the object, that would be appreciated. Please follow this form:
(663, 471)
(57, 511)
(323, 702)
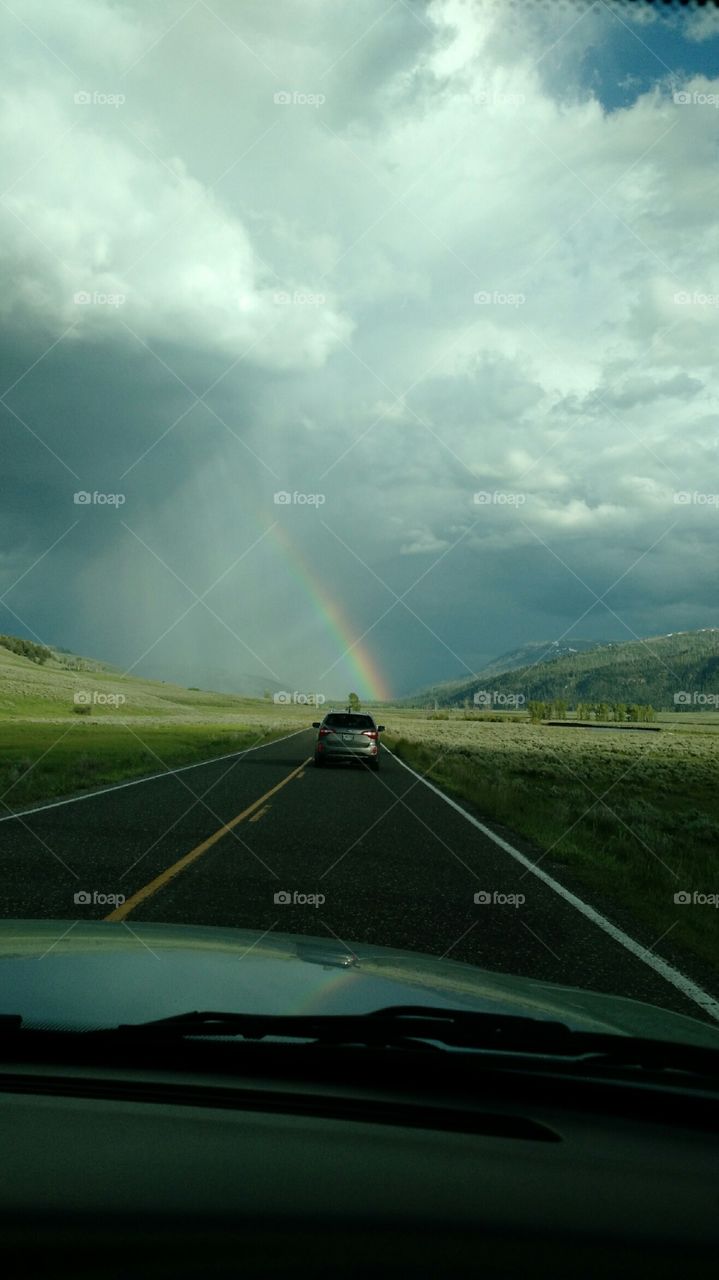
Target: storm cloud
(370, 309)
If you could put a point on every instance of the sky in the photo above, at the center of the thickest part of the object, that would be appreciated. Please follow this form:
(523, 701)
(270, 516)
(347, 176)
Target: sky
(350, 346)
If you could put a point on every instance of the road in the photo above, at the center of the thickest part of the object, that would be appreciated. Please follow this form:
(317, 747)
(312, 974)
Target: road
(376, 858)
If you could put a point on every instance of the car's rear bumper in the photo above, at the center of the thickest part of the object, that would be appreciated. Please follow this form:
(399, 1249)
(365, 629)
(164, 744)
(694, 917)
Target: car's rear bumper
(342, 752)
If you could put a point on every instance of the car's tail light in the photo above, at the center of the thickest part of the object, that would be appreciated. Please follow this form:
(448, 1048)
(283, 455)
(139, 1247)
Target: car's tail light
(370, 733)
(323, 732)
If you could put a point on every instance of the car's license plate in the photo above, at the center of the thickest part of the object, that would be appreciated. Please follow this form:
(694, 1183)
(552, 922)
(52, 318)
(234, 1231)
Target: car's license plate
(348, 737)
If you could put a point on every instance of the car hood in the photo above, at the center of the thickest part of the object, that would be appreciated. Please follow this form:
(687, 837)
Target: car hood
(83, 975)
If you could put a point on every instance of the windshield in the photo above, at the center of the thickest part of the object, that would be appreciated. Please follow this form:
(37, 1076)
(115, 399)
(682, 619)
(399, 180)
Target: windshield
(360, 372)
(348, 722)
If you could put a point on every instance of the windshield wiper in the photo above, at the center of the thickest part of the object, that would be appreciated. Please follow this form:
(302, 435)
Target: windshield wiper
(507, 1039)
(392, 1026)
(430, 1027)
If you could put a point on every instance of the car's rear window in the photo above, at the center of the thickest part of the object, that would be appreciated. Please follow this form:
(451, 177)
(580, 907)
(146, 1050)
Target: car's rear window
(340, 720)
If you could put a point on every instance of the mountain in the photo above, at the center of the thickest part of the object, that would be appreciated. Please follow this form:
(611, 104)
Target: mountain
(534, 651)
(650, 671)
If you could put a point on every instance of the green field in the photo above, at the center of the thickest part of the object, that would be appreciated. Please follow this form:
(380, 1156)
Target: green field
(48, 749)
(44, 762)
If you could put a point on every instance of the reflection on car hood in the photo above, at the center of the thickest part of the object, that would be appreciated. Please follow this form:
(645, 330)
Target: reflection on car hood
(61, 973)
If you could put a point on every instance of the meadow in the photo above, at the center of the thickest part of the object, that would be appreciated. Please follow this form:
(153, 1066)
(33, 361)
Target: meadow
(52, 746)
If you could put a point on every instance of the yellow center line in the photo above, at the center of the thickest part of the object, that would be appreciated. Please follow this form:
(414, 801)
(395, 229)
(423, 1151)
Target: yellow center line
(177, 867)
(261, 812)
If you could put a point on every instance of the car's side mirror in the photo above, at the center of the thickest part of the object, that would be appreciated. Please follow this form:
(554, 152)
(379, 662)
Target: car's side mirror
(315, 724)
(380, 728)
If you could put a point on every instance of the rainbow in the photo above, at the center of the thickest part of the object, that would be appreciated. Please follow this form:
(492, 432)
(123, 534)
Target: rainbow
(368, 677)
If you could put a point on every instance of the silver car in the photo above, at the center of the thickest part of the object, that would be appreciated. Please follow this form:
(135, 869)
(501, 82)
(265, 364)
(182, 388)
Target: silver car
(347, 735)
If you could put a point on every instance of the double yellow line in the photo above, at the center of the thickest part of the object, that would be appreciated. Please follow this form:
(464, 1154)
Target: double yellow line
(147, 891)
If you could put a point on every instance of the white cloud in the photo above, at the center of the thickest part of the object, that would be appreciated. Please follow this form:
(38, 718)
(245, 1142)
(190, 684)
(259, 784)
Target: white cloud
(423, 542)
(88, 210)
(702, 24)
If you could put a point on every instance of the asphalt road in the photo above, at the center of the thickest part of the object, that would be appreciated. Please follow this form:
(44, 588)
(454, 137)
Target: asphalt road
(388, 861)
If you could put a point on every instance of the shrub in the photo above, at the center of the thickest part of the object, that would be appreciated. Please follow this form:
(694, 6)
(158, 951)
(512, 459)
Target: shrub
(26, 648)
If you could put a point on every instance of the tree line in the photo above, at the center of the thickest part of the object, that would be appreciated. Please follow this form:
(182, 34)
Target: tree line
(618, 711)
(26, 648)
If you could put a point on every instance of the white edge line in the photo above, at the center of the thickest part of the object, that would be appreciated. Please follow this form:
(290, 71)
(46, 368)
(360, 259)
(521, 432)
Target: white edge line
(666, 971)
(151, 777)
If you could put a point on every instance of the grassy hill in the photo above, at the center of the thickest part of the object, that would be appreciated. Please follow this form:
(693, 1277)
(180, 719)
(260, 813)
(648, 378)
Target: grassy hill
(28, 689)
(123, 727)
(649, 671)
